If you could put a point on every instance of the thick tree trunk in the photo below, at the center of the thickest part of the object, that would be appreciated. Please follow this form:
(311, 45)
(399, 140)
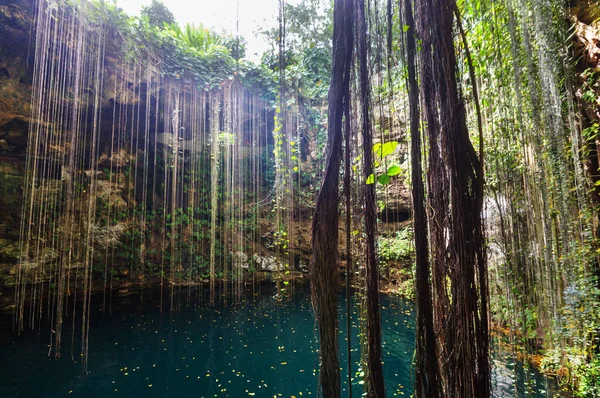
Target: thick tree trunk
(427, 380)
(324, 272)
(375, 383)
(455, 198)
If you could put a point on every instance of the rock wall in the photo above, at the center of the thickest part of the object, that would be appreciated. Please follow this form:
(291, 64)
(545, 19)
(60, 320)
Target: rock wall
(585, 17)
(16, 64)
(115, 187)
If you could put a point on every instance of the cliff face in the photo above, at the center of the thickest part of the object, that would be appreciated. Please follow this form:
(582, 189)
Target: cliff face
(585, 16)
(16, 64)
(135, 181)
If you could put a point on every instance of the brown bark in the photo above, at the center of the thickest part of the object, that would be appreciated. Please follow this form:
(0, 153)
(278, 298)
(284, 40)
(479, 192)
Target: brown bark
(375, 383)
(347, 181)
(455, 181)
(324, 273)
(427, 379)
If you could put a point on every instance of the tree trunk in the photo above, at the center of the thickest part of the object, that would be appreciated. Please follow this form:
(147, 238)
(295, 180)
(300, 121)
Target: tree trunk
(455, 198)
(427, 380)
(324, 272)
(375, 383)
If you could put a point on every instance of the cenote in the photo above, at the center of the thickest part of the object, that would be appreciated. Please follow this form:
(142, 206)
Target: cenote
(216, 171)
(263, 346)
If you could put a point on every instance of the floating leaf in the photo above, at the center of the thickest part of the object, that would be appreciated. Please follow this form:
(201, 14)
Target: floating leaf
(394, 170)
(371, 179)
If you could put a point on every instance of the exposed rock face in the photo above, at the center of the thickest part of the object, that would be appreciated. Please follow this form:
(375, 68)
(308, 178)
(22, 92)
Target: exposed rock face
(585, 17)
(108, 236)
(16, 63)
(268, 263)
(240, 259)
(397, 202)
(114, 195)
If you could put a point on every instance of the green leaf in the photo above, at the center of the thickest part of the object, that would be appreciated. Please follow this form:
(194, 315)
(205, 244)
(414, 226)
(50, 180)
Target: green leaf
(377, 148)
(388, 148)
(384, 179)
(385, 149)
(405, 28)
(394, 170)
(371, 179)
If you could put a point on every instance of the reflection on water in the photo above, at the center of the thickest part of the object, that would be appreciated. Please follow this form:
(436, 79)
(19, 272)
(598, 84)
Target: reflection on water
(263, 347)
(530, 383)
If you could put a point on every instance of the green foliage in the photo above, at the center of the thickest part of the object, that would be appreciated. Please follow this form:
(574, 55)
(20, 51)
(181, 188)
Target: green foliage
(591, 85)
(579, 323)
(307, 63)
(589, 378)
(396, 248)
(208, 66)
(158, 14)
(226, 138)
(530, 160)
(395, 255)
(381, 151)
(236, 46)
(193, 52)
(591, 133)
(196, 37)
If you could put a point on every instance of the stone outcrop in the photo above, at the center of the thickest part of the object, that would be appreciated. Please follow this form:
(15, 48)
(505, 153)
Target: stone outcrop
(16, 63)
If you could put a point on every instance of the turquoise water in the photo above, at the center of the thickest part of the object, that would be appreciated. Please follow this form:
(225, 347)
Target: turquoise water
(263, 347)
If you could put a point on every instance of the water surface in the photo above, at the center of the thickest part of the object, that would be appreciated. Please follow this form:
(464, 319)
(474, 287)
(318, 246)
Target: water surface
(264, 346)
